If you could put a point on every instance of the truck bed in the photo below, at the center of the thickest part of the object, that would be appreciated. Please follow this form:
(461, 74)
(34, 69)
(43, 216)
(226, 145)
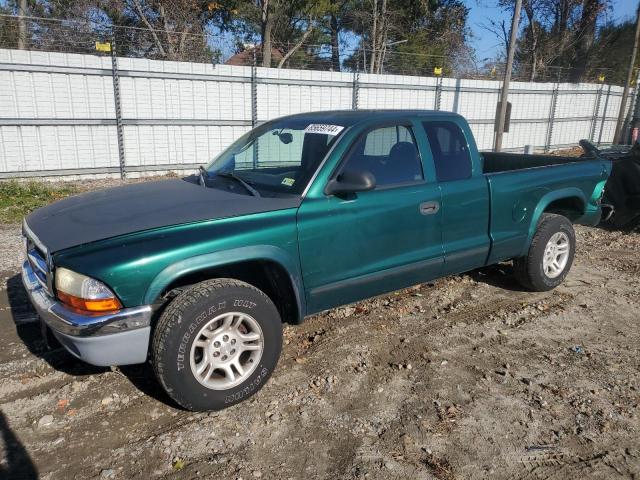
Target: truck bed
(504, 162)
(518, 189)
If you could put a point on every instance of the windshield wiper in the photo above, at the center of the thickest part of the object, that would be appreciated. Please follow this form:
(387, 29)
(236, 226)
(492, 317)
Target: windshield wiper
(242, 182)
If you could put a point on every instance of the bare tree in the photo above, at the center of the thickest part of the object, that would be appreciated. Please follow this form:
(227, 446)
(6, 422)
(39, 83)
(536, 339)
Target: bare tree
(585, 37)
(379, 33)
(266, 27)
(297, 45)
(175, 27)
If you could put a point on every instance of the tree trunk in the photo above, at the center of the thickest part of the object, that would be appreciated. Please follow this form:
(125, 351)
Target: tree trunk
(138, 7)
(383, 31)
(266, 25)
(22, 25)
(293, 49)
(561, 27)
(378, 36)
(618, 136)
(335, 43)
(171, 50)
(585, 37)
(364, 56)
(528, 9)
(374, 37)
(563, 16)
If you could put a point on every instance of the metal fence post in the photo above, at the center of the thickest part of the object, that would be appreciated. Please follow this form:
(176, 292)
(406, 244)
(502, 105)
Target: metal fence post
(594, 119)
(254, 96)
(118, 107)
(604, 114)
(552, 116)
(438, 99)
(254, 107)
(355, 91)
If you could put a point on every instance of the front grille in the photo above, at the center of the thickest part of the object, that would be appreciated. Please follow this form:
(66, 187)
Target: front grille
(38, 258)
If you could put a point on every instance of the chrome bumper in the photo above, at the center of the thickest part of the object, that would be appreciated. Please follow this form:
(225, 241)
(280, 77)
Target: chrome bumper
(119, 338)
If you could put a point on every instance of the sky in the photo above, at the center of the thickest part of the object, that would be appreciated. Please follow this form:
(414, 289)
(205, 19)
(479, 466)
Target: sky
(487, 45)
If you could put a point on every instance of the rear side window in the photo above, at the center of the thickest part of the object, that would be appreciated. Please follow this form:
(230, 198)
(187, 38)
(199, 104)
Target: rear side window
(450, 152)
(390, 154)
(380, 141)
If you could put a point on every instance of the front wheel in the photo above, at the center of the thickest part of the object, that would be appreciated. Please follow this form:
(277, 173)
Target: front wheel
(550, 255)
(216, 344)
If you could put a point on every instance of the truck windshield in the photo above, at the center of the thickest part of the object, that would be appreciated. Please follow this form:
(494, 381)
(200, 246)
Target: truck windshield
(279, 157)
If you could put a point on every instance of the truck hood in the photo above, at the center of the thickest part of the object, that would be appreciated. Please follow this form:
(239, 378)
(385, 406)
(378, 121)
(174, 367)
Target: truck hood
(94, 216)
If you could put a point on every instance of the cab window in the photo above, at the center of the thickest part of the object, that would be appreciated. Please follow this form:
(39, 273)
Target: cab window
(389, 153)
(449, 148)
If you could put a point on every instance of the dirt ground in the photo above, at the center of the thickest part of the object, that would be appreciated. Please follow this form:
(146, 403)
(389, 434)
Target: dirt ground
(469, 377)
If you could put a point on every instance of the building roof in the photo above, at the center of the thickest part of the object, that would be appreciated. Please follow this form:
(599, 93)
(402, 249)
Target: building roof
(245, 57)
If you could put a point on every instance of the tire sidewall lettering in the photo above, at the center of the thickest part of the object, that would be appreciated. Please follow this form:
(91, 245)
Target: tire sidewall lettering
(194, 310)
(182, 357)
(183, 353)
(248, 389)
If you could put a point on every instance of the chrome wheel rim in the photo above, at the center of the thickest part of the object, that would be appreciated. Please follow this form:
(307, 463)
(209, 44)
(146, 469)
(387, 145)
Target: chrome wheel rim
(556, 255)
(227, 350)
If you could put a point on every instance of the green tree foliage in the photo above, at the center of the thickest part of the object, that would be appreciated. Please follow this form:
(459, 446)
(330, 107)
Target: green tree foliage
(279, 32)
(408, 37)
(612, 52)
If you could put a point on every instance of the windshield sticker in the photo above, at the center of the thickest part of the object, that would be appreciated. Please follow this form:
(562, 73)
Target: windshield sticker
(288, 181)
(324, 128)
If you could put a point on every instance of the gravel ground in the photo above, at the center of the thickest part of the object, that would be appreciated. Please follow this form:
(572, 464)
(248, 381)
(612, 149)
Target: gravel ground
(467, 377)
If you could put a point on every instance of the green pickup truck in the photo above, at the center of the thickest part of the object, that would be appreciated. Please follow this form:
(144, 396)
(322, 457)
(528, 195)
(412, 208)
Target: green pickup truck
(299, 215)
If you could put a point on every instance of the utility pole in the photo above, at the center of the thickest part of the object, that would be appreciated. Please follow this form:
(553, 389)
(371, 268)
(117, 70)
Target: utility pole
(617, 137)
(22, 26)
(507, 76)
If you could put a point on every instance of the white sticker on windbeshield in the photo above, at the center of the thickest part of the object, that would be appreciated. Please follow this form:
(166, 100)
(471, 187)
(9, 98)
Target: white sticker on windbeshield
(324, 128)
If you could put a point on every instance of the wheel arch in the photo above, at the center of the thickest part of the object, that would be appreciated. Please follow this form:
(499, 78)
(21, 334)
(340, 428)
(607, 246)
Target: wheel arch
(267, 268)
(569, 202)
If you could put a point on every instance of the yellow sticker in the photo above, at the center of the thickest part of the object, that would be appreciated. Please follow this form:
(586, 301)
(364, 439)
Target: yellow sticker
(288, 181)
(103, 47)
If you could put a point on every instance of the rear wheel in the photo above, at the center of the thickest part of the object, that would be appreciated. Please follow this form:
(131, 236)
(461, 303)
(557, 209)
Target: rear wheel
(550, 255)
(216, 344)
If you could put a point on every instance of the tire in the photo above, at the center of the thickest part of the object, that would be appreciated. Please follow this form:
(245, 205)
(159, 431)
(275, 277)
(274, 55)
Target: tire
(530, 270)
(200, 315)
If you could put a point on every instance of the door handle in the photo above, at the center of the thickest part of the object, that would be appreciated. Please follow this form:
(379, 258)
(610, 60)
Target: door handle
(429, 208)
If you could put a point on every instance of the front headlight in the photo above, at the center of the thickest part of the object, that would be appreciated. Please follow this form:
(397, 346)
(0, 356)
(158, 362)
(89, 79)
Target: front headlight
(84, 293)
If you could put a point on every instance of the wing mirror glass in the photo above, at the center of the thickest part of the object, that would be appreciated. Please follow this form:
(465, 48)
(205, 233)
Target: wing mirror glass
(285, 137)
(351, 181)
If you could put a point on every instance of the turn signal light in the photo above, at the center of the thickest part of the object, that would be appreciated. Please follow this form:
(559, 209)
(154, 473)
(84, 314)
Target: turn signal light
(84, 293)
(101, 305)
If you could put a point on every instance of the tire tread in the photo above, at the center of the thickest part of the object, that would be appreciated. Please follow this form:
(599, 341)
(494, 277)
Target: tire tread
(172, 315)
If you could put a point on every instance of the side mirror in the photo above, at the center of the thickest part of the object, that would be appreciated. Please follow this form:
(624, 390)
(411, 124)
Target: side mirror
(286, 138)
(351, 181)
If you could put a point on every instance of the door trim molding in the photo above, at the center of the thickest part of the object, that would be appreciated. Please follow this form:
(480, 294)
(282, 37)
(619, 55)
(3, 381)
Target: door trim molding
(375, 276)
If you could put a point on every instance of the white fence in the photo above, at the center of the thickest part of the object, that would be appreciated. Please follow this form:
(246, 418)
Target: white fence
(58, 111)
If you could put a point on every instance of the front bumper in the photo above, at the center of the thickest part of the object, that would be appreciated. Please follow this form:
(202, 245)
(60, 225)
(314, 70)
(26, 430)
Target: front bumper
(119, 338)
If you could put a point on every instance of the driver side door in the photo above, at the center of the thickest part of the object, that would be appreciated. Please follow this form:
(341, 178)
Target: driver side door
(363, 244)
